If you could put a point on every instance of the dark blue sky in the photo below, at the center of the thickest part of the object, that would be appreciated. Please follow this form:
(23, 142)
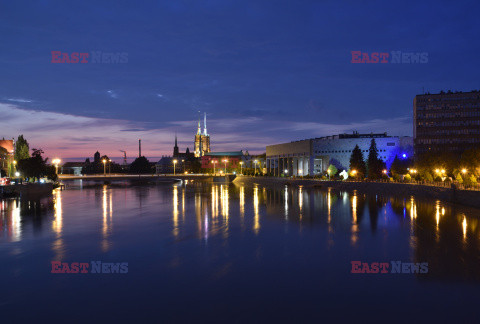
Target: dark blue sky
(264, 71)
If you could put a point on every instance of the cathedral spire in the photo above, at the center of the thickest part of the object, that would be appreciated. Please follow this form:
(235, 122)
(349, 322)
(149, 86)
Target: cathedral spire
(199, 130)
(205, 124)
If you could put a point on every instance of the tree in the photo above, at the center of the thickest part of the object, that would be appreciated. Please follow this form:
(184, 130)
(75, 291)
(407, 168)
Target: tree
(399, 166)
(35, 167)
(21, 149)
(357, 163)
(140, 165)
(332, 171)
(374, 164)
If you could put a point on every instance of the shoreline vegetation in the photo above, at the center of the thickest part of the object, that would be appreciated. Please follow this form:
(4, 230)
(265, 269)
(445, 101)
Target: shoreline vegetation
(469, 198)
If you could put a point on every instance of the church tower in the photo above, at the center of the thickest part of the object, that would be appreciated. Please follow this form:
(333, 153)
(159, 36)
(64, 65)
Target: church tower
(175, 148)
(198, 141)
(205, 137)
(202, 139)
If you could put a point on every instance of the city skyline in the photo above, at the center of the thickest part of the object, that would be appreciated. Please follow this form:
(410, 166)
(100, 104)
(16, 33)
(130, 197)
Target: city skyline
(269, 73)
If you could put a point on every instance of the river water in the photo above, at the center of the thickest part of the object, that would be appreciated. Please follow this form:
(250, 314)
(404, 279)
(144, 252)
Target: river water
(202, 252)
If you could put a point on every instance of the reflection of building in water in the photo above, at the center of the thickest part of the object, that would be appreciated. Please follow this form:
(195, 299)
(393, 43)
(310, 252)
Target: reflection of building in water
(256, 216)
(445, 236)
(10, 221)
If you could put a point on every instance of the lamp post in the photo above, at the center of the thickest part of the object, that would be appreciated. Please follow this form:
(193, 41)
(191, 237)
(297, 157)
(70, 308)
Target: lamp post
(104, 167)
(109, 166)
(174, 166)
(241, 167)
(285, 171)
(214, 162)
(328, 171)
(55, 162)
(183, 162)
(255, 162)
(225, 163)
(15, 166)
(354, 172)
(464, 171)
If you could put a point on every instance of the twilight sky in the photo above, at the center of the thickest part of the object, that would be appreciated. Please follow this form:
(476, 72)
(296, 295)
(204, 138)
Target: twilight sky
(264, 71)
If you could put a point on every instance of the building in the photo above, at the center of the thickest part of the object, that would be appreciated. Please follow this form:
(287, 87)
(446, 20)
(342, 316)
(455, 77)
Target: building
(313, 156)
(74, 168)
(221, 160)
(181, 156)
(446, 122)
(202, 140)
(6, 158)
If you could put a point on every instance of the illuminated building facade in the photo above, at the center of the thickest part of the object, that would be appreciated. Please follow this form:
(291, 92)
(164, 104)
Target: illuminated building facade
(446, 122)
(202, 139)
(313, 156)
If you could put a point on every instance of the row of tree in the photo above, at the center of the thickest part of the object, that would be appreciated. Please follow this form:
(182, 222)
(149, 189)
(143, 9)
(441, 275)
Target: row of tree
(372, 168)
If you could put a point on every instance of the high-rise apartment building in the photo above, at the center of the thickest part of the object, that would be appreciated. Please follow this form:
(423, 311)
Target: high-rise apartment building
(446, 122)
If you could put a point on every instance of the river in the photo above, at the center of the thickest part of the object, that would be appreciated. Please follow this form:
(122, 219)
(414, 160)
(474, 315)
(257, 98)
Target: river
(203, 252)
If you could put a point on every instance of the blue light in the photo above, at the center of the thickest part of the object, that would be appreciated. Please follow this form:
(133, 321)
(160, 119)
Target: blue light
(404, 155)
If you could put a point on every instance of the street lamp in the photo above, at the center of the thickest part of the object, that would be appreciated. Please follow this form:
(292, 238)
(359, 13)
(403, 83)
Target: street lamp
(286, 172)
(255, 162)
(109, 166)
(328, 171)
(183, 162)
(56, 162)
(214, 162)
(354, 172)
(225, 162)
(464, 171)
(241, 167)
(174, 166)
(15, 165)
(104, 167)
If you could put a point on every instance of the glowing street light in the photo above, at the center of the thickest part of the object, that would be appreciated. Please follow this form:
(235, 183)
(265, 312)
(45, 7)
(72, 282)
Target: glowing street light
(225, 162)
(354, 172)
(385, 171)
(255, 162)
(464, 171)
(214, 163)
(241, 167)
(56, 162)
(109, 165)
(104, 167)
(174, 166)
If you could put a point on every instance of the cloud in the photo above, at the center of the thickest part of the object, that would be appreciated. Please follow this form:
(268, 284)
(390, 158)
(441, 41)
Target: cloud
(70, 136)
(112, 94)
(21, 100)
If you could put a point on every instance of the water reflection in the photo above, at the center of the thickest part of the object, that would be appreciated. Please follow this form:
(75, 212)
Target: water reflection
(107, 208)
(445, 236)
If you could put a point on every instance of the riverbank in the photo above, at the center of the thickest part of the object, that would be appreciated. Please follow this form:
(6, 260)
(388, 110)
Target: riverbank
(463, 197)
(27, 190)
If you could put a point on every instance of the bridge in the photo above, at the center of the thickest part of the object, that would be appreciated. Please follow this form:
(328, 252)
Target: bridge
(150, 177)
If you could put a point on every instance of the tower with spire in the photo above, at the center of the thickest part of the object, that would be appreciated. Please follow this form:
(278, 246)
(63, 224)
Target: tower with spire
(202, 140)
(175, 148)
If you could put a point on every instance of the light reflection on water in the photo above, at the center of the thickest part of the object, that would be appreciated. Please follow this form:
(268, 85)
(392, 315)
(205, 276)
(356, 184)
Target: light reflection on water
(201, 228)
